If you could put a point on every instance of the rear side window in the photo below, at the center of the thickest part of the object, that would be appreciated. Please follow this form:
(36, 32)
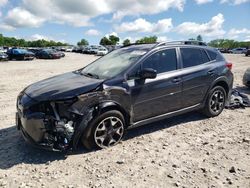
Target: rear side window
(162, 61)
(193, 57)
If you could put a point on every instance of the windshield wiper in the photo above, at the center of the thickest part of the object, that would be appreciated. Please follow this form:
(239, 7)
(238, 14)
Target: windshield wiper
(88, 74)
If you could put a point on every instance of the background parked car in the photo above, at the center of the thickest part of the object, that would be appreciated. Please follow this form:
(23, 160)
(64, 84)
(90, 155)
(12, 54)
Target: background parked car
(224, 50)
(93, 49)
(61, 53)
(48, 54)
(238, 51)
(3, 50)
(34, 50)
(20, 54)
(247, 52)
(70, 49)
(246, 78)
(102, 51)
(3, 56)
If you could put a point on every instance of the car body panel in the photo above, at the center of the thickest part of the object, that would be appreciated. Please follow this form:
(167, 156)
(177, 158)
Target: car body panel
(62, 86)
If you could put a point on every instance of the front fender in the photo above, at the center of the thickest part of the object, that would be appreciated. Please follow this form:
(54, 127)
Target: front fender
(91, 113)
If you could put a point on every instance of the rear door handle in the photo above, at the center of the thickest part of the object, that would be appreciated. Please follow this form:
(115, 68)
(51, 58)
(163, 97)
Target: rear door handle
(176, 80)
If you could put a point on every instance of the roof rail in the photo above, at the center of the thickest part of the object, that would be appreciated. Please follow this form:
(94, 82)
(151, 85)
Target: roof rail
(189, 42)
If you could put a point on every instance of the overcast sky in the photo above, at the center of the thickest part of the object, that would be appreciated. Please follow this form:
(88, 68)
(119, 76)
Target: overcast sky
(71, 20)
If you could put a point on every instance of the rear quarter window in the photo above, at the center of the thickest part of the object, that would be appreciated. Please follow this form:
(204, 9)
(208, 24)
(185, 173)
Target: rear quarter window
(215, 55)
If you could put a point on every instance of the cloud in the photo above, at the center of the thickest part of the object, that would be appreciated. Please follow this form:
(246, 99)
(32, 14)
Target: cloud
(138, 7)
(3, 2)
(6, 27)
(235, 2)
(232, 2)
(163, 39)
(211, 29)
(247, 39)
(112, 33)
(78, 13)
(19, 17)
(143, 26)
(203, 1)
(92, 32)
(235, 33)
(39, 37)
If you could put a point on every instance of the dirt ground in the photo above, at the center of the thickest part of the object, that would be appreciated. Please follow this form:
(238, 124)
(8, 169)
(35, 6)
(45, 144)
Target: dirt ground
(185, 151)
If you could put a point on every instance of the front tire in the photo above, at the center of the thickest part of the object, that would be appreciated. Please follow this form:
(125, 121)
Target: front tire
(104, 131)
(215, 102)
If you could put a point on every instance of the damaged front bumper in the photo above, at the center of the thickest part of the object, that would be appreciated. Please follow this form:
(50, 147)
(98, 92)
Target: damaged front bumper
(33, 131)
(41, 125)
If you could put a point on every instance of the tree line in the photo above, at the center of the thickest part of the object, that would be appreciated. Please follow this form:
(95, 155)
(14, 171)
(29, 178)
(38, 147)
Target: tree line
(114, 40)
(12, 41)
(226, 43)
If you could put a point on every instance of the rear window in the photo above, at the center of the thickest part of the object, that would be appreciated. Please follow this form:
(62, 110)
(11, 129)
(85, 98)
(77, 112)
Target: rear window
(193, 57)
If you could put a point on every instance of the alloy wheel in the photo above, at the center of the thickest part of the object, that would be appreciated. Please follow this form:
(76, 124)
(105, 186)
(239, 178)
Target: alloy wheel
(217, 101)
(109, 132)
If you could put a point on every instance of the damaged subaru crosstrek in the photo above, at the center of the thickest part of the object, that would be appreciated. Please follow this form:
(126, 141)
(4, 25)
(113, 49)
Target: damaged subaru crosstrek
(129, 87)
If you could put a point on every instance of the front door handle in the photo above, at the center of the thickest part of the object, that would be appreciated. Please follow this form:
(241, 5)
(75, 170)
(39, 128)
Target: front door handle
(176, 80)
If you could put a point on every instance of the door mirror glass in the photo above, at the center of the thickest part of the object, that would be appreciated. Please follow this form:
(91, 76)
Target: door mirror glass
(148, 73)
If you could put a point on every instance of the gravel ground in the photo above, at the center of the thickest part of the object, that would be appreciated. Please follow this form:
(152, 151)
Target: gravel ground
(185, 151)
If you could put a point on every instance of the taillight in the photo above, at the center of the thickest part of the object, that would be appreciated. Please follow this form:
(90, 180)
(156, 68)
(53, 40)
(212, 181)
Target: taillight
(229, 65)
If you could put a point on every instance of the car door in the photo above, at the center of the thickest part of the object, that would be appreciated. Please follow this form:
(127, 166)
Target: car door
(153, 97)
(197, 75)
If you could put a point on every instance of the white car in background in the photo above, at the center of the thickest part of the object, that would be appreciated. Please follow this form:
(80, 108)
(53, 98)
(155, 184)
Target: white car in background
(2, 50)
(68, 49)
(102, 51)
(238, 51)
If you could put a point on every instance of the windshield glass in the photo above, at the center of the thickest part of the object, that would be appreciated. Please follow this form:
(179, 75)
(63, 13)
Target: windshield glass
(113, 63)
(20, 51)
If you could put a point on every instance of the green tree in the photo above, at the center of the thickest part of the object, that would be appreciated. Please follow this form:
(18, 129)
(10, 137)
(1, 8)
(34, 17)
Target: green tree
(199, 38)
(114, 39)
(111, 40)
(126, 42)
(83, 42)
(105, 41)
(147, 40)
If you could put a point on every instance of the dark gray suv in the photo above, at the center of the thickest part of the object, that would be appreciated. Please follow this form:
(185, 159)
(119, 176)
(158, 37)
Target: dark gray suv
(128, 87)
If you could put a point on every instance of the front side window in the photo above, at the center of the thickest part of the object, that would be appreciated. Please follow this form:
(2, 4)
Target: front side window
(162, 61)
(193, 57)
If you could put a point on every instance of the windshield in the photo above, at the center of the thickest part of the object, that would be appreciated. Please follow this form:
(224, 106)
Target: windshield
(20, 51)
(113, 63)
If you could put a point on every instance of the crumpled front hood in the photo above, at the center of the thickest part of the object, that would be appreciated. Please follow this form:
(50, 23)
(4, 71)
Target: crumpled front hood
(61, 87)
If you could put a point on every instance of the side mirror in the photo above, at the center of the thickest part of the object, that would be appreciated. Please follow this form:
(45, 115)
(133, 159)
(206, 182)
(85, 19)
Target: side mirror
(148, 73)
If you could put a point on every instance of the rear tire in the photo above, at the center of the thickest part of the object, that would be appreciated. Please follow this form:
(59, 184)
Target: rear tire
(104, 131)
(215, 102)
